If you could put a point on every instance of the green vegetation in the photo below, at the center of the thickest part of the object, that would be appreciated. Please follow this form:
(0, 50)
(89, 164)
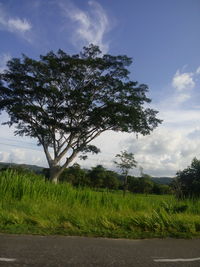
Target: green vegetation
(29, 204)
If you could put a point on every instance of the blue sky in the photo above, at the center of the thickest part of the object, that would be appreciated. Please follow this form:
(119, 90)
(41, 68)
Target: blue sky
(162, 37)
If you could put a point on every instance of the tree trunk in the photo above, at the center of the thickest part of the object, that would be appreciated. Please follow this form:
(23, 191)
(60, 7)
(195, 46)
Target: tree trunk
(125, 185)
(54, 173)
(56, 170)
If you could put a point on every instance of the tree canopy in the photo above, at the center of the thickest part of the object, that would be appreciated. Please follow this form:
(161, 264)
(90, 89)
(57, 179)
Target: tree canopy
(66, 101)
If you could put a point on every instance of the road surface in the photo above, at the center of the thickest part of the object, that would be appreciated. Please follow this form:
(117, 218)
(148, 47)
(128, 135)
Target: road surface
(61, 251)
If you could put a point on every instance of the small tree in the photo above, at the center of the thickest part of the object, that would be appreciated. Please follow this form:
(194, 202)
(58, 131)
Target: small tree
(65, 102)
(125, 163)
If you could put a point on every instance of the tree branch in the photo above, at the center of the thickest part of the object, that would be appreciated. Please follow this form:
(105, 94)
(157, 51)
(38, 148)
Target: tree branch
(58, 158)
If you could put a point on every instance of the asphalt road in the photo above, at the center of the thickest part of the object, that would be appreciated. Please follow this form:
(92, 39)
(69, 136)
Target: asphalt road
(57, 251)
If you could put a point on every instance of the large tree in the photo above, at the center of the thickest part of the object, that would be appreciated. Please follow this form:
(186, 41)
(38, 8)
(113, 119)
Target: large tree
(67, 101)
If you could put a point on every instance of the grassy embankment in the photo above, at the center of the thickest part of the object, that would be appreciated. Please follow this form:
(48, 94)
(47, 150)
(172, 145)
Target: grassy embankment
(30, 205)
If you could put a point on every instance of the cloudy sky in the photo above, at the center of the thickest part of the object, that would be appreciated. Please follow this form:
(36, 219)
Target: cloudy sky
(162, 37)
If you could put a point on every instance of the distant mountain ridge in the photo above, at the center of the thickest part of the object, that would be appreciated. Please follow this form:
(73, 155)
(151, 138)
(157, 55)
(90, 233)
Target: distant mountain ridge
(162, 180)
(35, 168)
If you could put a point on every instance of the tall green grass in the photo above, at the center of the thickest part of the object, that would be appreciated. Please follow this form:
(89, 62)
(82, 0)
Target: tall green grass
(28, 204)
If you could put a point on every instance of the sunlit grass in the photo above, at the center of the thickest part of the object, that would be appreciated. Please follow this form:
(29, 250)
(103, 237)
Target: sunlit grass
(28, 204)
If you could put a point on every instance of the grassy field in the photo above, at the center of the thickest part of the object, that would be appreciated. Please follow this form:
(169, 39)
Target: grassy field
(28, 204)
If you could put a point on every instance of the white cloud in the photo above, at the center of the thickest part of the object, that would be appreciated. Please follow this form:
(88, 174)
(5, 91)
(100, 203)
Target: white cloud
(14, 24)
(172, 146)
(4, 156)
(18, 25)
(89, 26)
(198, 70)
(3, 60)
(169, 148)
(165, 151)
(180, 98)
(180, 116)
(182, 81)
(23, 156)
(18, 149)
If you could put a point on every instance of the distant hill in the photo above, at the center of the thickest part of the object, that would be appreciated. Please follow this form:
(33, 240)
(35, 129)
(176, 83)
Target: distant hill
(162, 180)
(35, 168)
